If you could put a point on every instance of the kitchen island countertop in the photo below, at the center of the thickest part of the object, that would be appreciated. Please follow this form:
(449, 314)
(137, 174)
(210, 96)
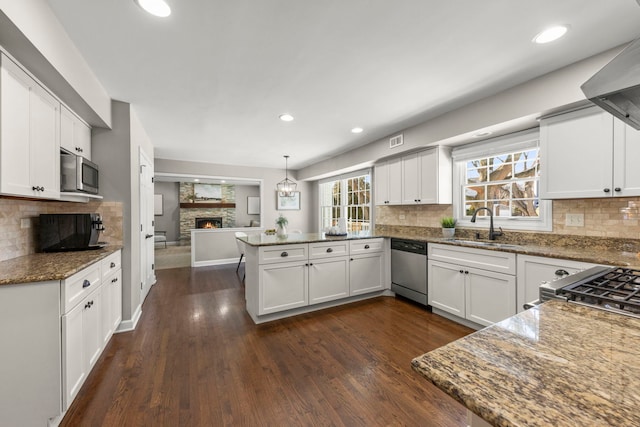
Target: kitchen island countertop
(294, 238)
(557, 364)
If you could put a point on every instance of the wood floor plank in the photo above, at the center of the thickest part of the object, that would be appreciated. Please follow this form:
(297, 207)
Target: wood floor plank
(197, 359)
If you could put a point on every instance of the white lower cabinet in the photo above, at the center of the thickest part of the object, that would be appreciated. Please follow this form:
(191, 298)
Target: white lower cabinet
(366, 273)
(283, 286)
(294, 276)
(328, 279)
(533, 270)
(476, 285)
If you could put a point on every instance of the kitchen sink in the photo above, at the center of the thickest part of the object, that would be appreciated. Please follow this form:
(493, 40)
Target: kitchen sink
(486, 244)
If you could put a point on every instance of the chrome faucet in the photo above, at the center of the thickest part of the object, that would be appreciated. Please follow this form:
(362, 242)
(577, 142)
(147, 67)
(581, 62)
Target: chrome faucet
(492, 233)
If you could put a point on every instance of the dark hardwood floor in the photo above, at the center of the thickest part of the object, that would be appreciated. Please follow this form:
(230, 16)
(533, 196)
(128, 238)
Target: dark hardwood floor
(197, 359)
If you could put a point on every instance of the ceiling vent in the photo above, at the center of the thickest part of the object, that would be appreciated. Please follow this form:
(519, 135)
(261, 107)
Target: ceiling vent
(396, 141)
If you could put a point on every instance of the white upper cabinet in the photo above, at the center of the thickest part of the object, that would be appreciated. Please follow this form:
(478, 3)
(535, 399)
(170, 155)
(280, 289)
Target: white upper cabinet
(586, 154)
(426, 177)
(75, 135)
(29, 135)
(418, 178)
(388, 176)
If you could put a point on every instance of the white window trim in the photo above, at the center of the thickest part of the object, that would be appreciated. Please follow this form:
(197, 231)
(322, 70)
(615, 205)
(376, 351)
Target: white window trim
(514, 142)
(367, 171)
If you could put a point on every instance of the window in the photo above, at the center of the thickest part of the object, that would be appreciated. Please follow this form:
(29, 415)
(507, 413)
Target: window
(349, 197)
(503, 175)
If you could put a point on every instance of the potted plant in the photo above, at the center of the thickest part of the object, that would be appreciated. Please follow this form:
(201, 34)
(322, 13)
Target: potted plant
(448, 226)
(282, 222)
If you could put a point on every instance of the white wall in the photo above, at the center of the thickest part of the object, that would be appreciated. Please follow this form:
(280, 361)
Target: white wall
(270, 177)
(512, 110)
(30, 32)
(169, 221)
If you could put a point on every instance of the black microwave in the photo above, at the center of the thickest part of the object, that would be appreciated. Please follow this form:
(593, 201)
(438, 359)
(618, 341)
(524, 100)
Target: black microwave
(70, 232)
(77, 173)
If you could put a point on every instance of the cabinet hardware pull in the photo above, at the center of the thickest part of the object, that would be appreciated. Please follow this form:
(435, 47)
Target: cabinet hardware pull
(329, 250)
(466, 272)
(86, 284)
(114, 280)
(284, 254)
(351, 259)
(310, 263)
(617, 189)
(461, 271)
(606, 190)
(366, 246)
(113, 264)
(561, 272)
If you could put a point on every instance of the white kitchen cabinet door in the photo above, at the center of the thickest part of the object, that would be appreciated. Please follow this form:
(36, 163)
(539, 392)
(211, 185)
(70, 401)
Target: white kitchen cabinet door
(381, 195)
(328, 279)
(576, 155)
(435, 178)
(106, 310)
(283, 286)
(91, 328)
(626, 178)
(29, 136)
(533, 270)
(366, 273)
(116, 300)
(446, 287)
(74, 369)
(75, 135)
(411, 179)
(388, 185)
(489, 297)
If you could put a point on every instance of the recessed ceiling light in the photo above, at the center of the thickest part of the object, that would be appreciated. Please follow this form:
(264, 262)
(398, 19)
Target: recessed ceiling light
(196, 180)
(356, 130)
(286, 117)
(482, 133)
(551, 34)
(155, 7)
(223, 181)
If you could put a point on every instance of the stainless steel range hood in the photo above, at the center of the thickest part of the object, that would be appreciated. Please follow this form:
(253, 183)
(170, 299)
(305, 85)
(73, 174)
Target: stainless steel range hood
(616, 87)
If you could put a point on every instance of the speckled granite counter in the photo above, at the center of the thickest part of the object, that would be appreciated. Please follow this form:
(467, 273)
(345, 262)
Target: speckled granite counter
(558, 364)
(618, 252)
(293, 238)
(49, 266)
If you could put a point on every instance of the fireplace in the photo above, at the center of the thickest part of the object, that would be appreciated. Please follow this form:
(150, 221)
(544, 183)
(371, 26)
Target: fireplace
(210, 222)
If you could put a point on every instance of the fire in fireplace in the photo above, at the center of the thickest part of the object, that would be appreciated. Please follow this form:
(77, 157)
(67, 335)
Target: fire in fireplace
(211, 222)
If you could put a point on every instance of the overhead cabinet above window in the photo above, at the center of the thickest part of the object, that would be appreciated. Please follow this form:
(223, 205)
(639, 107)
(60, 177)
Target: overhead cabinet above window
(418, 178)
(587, 154)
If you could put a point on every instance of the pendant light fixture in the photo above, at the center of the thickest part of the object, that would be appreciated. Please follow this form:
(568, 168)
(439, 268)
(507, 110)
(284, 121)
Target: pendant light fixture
(286, 186)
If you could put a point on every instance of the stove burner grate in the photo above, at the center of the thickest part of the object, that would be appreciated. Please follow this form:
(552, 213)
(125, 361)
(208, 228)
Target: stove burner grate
(618, 289)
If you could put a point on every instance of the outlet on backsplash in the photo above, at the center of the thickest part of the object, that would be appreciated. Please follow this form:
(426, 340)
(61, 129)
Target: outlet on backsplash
(574, 220)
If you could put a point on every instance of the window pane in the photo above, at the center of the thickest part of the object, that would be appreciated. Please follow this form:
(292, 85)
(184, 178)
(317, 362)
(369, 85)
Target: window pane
(525, 207)
(476, 175)
(475, 193)
(470, 208)
(499, 191)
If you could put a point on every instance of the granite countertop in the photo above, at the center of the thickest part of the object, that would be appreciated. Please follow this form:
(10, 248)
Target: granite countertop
(557, 364)
(593, 251)
(42, 267)
(294, 238)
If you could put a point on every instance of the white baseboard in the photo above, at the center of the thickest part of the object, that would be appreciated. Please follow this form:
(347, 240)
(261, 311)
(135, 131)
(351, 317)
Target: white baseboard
(215, 262)
(130, 325)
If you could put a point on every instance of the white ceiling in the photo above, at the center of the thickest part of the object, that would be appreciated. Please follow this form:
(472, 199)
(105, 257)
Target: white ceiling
(209, 82)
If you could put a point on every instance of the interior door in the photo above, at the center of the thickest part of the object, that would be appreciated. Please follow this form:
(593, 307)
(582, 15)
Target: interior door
(146, 226)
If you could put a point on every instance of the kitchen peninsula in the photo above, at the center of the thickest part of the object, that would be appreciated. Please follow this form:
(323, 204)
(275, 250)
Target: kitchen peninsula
(305, 272)
(556, 364)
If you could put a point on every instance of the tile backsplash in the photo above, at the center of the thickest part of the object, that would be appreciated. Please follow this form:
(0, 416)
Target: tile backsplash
(19, 222)
(610, 217)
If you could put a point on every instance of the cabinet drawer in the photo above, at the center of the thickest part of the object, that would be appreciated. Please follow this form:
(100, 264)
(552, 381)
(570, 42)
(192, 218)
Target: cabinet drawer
(500, 262)
(282, 253)
(78, 286)
(111, 263)
(366, 245)
(328, 250)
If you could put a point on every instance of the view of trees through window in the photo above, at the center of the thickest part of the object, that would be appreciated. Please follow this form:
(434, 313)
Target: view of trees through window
(507, 184)
(348, 198)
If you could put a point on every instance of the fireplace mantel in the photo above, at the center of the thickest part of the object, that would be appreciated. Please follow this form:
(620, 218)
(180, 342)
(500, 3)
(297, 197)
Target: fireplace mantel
(206, 205)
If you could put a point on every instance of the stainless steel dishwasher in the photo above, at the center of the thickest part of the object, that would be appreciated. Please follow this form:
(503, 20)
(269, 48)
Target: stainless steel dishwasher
(409, 269)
